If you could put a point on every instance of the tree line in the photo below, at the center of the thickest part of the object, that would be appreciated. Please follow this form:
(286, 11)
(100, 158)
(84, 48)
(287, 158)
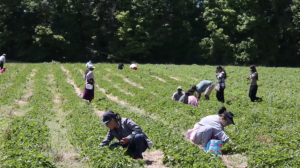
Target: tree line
(238, 32)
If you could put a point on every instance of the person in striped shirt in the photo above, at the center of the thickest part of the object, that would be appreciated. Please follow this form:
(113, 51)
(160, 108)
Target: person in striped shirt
(221, 76)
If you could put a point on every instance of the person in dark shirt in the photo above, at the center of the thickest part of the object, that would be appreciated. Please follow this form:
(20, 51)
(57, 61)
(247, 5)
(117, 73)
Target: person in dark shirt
(120, 66)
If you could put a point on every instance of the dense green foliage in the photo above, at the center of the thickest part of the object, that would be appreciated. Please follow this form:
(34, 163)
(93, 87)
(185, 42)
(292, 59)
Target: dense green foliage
(178, 31)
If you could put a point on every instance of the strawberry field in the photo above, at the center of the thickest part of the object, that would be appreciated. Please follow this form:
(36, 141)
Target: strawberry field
(45, 124)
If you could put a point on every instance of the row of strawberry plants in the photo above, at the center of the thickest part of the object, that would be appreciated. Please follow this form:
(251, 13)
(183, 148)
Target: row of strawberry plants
(248, 118)
(277, 139)
(11, 93)
(84, 127)
(244, 142)
(179, 153)
(27, 137)
(10, 75)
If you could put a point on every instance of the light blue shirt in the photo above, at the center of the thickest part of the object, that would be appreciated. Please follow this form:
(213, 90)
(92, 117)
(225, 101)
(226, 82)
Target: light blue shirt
(203, 85)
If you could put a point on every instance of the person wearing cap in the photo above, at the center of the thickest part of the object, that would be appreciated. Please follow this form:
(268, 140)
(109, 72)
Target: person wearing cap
(177, 95)
(2, 61)
(133, 66)
(211, 127)
(129, 134)
(88, 93)
(205, 86)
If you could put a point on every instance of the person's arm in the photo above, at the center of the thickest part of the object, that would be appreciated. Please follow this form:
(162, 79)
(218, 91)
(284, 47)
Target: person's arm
(173, 97)
(222, 136)
(198, 96)
(109, 137)
(136, 129)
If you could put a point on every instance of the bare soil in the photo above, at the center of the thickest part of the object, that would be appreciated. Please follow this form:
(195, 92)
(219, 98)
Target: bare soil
(154, 159)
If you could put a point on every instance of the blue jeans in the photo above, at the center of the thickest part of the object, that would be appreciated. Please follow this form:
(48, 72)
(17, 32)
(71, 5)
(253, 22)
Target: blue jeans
(136, 148)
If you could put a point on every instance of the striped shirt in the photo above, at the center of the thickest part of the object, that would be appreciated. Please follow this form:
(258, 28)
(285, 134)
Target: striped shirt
(221, 79)
(253, 78)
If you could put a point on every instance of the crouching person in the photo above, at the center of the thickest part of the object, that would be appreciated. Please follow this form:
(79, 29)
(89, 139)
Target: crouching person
(211, 127)
(129, 134)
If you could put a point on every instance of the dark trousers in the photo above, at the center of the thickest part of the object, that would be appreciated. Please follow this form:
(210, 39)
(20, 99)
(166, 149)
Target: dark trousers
(252, 93)
(136, 148)
(1, 65)
(220, 95)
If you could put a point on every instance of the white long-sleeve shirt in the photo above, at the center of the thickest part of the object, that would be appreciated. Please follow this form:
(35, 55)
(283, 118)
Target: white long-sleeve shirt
(2, 58)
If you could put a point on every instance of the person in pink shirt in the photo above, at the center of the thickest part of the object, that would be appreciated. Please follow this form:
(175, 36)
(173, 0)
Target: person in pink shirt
(192, 100)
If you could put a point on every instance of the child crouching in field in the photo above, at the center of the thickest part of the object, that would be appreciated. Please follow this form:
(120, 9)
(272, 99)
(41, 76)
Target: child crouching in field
(129, 134)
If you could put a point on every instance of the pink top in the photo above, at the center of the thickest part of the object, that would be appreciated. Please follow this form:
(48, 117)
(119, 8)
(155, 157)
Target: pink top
(193, 101)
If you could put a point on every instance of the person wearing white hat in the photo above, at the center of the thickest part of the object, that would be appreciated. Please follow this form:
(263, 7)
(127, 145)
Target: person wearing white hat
(2, 61)
(88, 63)
(88, 93)
(177, 95)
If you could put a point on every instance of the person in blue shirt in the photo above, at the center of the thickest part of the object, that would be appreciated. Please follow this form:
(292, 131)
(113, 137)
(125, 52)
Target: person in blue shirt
(205, 86)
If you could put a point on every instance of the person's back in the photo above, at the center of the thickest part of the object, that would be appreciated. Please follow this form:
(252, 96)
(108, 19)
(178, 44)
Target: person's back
(192, 100)
(184, 99)
(120, 66)
(212, 121)
(201, 87)
(2, 58)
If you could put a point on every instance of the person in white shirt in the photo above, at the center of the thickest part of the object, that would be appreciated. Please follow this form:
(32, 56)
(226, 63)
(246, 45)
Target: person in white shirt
(133, 66)
(2, 61)
(88, 93)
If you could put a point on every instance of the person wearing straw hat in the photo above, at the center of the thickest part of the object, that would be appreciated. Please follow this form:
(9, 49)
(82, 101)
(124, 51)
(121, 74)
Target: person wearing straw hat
(88, 93)
(177, 95)
(211, 127)
(2, 61)
(129, 134)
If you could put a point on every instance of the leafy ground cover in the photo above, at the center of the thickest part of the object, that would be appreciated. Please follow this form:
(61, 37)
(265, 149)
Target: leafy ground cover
(56, 128)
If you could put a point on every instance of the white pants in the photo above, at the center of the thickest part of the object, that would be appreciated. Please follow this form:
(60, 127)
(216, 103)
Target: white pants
(209, 89)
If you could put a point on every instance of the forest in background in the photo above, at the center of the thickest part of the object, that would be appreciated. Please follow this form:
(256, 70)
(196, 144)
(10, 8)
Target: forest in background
(237, 32)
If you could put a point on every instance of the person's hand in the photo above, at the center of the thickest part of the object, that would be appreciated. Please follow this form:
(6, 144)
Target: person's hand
(124, 141)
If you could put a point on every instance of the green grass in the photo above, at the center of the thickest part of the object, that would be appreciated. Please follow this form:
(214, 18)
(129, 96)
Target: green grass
(265, 132)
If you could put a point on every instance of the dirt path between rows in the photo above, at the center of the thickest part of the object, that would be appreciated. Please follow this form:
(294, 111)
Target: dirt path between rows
(175, 78)
(235, 161)
(71, 81)
(153, 159)
(130, 82)
(62, 151)
(28, 92)
(158, 78)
